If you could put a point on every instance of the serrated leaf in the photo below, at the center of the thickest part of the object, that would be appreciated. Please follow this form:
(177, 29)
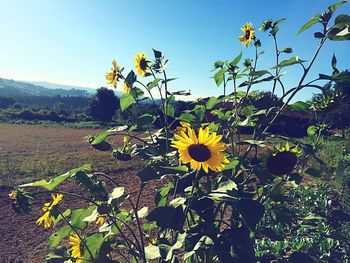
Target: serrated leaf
(167, 217)
(309, 23)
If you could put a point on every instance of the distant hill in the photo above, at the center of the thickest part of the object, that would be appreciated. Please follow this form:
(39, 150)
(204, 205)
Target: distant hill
(14, 89)
(50, 85)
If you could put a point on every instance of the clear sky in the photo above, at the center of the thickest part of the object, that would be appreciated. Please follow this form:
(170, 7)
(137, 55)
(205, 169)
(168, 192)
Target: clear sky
(73, 42)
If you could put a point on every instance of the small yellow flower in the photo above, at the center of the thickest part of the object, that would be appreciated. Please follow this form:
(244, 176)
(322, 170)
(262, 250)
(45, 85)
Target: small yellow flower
(75, 242)
(100, 220)
(205, 152)
(246, 38)
(126, 87)
(13, 194)
(113, 75)
(141, 64)
(46, 218)
(56, 199)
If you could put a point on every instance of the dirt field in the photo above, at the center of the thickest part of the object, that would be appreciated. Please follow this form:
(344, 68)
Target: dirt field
(29, 152)
(33, 152)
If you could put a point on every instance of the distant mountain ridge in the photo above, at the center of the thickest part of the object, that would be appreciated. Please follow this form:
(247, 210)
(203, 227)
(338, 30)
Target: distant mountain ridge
(14, 88)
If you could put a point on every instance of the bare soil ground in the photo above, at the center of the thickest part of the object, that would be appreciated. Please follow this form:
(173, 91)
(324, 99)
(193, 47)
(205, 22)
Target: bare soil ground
(28, 153)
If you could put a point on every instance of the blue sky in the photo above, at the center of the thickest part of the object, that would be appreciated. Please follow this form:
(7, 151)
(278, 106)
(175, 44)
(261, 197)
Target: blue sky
(74, 42)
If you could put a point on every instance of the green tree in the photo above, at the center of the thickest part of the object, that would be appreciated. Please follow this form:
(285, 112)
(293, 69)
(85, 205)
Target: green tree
(104, 105)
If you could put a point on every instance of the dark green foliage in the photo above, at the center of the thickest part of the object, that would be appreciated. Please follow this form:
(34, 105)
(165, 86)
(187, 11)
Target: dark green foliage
(104, 105)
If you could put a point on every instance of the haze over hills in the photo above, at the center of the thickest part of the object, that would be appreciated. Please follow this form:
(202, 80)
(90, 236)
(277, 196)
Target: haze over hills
(14, 89)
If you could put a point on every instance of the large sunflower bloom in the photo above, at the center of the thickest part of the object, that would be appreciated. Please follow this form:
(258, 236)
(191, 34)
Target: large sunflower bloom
(205, 152)
(112, 76)
(75, 242)
(248, 31)
(46, 217)
(141, 64)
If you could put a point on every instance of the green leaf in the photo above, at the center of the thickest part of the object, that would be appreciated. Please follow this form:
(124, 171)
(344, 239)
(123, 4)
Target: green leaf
(153, 84)
(94, 243)
(152, 252)
(258, 74)
(227, 186)
(53, 183)
(313, 217)
(59, 217)
(170, 109)
(145, 119)
(287, 50)
(188, 117)
(252, 211)
(289, 62)
(79, 214)
(311, 130)
(212, 102)
(313, 172)
(178, 244)
(102, 136)
(219, 76)
(232, 165)
(116, 193)
(126, 100)
(130, 78)
(56, 238)
(299, 106)
(143, 212)
(147, 174)
(309, 23)
(167, 217)
(58, 255)
(334, 7)
(181, 168)
(236, 60)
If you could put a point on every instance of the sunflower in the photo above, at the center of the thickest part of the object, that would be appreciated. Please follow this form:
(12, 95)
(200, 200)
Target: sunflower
(248, 31)
(141, 64)
(205, 152)
(47, 208)
(75, 242)
(126, 87)
(113, 76)
(284, 160)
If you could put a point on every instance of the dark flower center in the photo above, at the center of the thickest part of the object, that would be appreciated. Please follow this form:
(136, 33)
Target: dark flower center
(247, 34)
(199, 152)
(282, 163)
(143, 64)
